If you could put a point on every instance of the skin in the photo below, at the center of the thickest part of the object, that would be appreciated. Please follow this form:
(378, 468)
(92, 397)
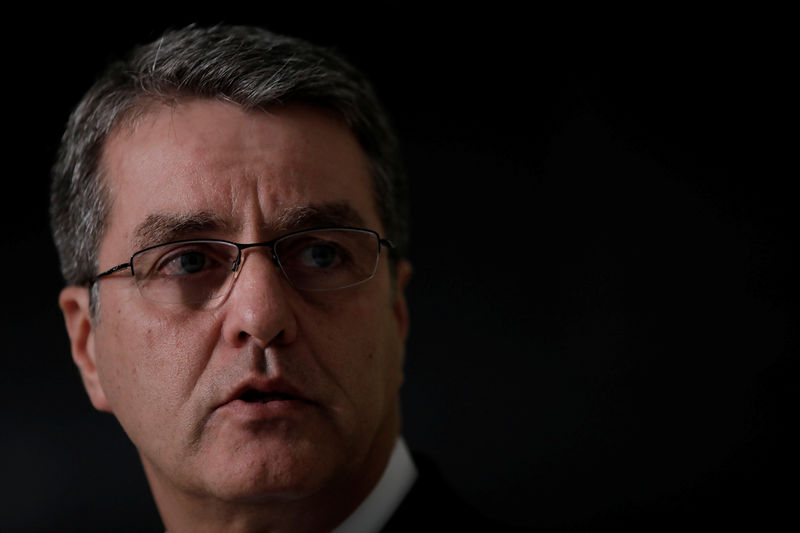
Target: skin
(166, 372)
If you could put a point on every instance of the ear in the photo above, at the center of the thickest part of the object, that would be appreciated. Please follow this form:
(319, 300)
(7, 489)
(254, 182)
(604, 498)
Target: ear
(74, 303)
(403, 276)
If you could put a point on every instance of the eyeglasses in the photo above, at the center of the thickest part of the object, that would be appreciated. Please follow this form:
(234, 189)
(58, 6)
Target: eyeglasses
(192, 272)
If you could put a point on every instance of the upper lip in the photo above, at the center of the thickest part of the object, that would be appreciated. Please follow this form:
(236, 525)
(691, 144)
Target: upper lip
(265, 386)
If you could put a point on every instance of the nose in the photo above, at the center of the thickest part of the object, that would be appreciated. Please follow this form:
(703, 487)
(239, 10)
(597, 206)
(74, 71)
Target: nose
(258, 308)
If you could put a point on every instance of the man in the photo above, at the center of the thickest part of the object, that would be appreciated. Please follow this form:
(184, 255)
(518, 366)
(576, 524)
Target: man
(229, 210)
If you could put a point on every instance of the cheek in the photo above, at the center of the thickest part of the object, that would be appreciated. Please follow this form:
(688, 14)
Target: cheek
(361, 348)
(148, 364)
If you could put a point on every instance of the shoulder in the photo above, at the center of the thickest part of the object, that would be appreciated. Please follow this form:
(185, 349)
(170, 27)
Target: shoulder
(433, 504)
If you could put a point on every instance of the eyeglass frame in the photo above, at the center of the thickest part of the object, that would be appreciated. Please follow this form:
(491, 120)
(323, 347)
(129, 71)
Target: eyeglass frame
(382, 241)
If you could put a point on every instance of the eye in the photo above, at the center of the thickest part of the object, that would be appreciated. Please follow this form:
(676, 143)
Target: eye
(190, 263)
(191, 260)
(311, 253)
(324, 259)
(320, 256)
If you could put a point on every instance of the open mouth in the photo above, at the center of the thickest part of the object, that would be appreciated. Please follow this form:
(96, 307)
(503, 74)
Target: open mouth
(257, 396)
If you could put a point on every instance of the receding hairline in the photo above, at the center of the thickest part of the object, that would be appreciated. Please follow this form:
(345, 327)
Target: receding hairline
(146, 105)
(149, 105)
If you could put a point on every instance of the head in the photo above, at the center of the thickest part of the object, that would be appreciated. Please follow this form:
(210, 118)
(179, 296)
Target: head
(250, 67)
(268, 393)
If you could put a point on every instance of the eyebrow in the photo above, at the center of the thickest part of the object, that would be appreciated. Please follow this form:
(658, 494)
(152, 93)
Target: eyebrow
(318, 215)
(165, 227)
(159, 228)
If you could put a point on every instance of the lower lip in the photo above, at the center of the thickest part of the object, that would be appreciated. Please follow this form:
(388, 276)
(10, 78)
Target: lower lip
(264, 410)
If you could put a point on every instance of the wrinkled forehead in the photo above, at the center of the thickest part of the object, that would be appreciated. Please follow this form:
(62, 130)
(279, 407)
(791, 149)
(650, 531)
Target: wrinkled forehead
(206, 160)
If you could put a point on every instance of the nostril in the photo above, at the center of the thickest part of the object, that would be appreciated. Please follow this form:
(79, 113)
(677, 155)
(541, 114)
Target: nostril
(243, 335)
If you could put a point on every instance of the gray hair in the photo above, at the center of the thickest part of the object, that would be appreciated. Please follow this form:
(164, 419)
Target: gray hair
(248, 66)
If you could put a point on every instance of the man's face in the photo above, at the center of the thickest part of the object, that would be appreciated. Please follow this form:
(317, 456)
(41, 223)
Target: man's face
(175, 377)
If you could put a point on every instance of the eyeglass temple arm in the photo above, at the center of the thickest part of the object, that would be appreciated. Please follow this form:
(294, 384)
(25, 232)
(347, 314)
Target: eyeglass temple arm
(111, 271)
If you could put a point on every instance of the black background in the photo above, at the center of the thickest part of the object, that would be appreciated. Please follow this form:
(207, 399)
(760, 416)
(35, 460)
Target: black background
(603, 242)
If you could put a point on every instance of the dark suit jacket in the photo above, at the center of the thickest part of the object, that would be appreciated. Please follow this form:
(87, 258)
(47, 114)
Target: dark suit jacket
(432, 505)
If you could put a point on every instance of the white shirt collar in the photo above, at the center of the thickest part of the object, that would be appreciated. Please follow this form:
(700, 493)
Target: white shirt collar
(385, 498)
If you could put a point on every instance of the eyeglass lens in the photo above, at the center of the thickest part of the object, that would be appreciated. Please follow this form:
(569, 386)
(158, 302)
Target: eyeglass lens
(197, 271)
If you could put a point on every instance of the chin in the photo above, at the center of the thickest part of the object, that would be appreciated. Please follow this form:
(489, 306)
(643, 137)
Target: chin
(272, 469)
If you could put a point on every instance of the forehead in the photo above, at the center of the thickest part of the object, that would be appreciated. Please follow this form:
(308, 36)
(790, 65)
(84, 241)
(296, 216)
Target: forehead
(248, 170)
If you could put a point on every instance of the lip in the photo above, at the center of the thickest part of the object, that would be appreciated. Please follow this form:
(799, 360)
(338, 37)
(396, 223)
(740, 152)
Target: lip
(264, 398)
